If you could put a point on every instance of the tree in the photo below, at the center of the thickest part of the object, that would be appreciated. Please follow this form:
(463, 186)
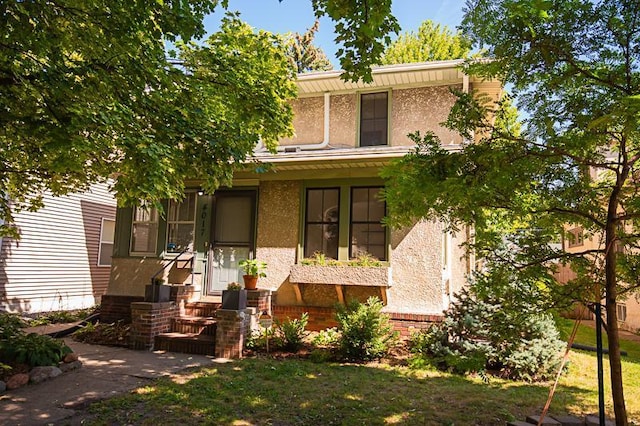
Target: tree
(87, 93)
(574, 68)
(431, 43)
(304, 55)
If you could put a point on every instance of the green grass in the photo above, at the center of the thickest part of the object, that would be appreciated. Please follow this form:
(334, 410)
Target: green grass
(263, 391)
(587, 336)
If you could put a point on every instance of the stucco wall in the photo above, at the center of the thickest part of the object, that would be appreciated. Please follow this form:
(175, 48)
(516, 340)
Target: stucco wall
(343, 116)
(421, 108)
(278, 227)
(308, 121)
(417, 269)
(129, 275)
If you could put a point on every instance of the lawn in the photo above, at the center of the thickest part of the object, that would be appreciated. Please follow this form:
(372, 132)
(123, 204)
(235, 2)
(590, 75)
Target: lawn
(265, 391)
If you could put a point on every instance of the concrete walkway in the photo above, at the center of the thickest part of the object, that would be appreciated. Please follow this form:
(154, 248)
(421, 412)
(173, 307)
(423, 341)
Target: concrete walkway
(106, 372)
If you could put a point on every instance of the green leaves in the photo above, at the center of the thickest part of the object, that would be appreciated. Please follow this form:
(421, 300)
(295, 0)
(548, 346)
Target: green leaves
(363, 28)
(432, 42)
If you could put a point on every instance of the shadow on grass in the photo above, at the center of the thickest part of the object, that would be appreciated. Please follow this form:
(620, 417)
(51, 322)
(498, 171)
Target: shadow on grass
(294, 392)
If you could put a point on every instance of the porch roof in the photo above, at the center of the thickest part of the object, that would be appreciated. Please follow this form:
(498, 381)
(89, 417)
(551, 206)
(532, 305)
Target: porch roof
(338, 158)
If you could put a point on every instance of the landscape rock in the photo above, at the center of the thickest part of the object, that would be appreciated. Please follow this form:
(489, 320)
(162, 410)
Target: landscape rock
(64, 367)
(548, 421)
(17, 380)
(3, 386)
(72, 357)
(569, 420)
(40, 374)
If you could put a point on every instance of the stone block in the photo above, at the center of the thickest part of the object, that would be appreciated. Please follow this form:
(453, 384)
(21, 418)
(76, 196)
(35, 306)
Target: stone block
(17, 380)
(72, 357)
(69, 366)
(40, 374)
(593, 420)
(548, 421)
(518, 423)
(569, 420)
(3, 386)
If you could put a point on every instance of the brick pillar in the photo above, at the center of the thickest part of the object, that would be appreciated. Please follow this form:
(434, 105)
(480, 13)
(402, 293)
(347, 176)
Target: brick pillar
(231, 331)
(148, 320)
(259, 299)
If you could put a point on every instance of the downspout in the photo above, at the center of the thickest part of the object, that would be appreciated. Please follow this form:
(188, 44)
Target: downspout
(308, 147)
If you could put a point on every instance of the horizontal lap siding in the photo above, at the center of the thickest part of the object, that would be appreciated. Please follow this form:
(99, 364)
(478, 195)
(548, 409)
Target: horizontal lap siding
(54, 264)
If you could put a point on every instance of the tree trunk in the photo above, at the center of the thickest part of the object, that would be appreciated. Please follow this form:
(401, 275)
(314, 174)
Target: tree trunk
(611, 293)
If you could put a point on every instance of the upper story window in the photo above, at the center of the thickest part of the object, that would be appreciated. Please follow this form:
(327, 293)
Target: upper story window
(144, 230)
(576, 237)
(374, 118)
(322, 222)
(181, 220)
(107, 234)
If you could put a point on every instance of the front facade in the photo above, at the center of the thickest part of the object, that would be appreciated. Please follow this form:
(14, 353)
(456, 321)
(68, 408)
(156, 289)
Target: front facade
(320, 200)
(63, 259)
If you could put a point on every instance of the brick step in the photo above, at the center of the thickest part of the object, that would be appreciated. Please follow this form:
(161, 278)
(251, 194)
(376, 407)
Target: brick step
(194, 325)
(190, 343)
(201, 309)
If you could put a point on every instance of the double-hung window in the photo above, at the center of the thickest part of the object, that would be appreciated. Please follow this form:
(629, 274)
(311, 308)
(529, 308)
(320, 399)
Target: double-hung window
(105, 249)
(374, 118)
(367, 233)
(322, 222)
(181, 219)
(144, 230)
(344, 222)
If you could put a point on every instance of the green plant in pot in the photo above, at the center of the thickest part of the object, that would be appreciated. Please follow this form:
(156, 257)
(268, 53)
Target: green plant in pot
(253, 269)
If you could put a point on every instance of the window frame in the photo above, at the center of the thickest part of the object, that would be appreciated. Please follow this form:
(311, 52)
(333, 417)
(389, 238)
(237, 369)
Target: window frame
(169, 222)
(101, 241)
(344, 232)
(351, 221)
(135, 222)
(359, 119)
(306, 223)
(578, 237)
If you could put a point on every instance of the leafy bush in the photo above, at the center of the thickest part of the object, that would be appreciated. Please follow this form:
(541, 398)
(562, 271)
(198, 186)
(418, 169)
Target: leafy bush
(327, 338)
(366, 333)
(291, 332)
(114, 334)
(11, 325)
(57, 317)
(480, 333)
(33, 349)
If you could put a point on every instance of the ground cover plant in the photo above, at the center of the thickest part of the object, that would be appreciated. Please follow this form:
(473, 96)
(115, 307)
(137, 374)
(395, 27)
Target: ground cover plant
(293, 391)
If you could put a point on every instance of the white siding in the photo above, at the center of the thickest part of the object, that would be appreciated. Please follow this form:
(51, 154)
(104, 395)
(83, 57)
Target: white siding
(54, 264)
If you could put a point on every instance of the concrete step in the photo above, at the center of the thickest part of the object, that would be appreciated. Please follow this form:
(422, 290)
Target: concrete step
(190, 343)
(548, 421)
(194, 325)
(201, 309)
(569, 420)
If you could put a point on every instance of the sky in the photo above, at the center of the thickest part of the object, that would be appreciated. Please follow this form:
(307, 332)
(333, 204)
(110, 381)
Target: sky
(297, 16)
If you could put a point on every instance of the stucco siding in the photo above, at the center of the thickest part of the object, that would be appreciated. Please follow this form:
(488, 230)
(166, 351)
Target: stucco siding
(54, 265)
(416, 263)
(129, 275)
(343, 117)
(423, 109)
(308, 121)
(278, 228)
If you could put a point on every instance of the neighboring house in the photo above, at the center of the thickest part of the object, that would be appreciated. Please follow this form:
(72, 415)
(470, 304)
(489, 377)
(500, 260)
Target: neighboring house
(63, 258)
(320, 195)
(628, 309)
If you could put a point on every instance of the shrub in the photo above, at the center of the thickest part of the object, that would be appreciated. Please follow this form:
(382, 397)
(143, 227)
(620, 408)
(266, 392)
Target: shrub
(480, 333)
(366, 333)
(33, 349)
(291, 332)
(11, 325)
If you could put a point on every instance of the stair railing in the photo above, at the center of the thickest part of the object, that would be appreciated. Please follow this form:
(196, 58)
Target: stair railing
(155, 284)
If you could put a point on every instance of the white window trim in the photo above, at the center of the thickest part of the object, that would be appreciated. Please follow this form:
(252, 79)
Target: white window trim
(101, 241)
(181, 222)
(133, 222)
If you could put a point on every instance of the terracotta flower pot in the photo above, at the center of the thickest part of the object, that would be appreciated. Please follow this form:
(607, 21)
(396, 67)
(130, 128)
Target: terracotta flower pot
(250, 281)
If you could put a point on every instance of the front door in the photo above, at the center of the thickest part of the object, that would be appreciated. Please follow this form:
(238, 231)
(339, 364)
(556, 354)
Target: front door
(232, 237)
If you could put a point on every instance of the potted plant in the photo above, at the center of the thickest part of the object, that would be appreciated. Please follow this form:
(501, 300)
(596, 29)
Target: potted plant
(253, 269)
(234, 297)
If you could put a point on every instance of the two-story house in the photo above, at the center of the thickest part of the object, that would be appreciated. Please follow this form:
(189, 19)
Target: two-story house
(320, 195)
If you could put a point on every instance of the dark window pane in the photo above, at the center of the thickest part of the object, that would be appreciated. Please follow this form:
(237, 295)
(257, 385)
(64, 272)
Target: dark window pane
(373, 119)
(106, 250)
(367, 233)
(232, 215)
(321, 224)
